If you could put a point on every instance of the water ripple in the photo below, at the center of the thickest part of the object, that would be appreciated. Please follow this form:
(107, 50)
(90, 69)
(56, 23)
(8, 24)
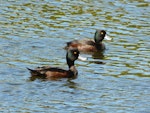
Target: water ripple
(34, 34)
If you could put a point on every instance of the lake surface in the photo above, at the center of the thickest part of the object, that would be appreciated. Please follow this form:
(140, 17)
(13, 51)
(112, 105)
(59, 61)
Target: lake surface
(33, 33)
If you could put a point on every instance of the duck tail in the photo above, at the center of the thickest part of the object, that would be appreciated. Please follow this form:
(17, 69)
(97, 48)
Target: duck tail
(30, 69)
(33, 72)
(69, 43)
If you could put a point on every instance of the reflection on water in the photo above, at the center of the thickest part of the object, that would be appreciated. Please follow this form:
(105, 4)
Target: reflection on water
(33, 33)
(71, 84)
(98, 55)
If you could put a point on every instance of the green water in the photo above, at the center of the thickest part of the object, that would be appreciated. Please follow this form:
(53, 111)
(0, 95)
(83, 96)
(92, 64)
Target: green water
(33, 33)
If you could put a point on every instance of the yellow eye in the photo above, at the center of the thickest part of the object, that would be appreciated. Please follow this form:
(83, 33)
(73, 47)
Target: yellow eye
(101, 33)
(75, 52)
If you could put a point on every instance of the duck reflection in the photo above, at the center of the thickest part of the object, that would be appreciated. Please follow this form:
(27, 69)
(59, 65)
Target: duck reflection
(98, 55)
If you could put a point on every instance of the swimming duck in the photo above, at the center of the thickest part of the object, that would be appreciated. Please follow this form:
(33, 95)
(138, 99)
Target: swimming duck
(49, 72)
(88, 45)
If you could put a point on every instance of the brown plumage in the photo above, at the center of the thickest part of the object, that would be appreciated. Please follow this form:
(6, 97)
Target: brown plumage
(88, 45)
(48, 72)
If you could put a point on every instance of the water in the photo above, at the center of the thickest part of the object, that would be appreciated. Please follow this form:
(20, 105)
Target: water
(33, 33)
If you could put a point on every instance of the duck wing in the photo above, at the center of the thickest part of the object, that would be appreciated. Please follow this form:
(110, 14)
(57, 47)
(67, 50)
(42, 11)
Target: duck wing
(76, 43)
(44, 69)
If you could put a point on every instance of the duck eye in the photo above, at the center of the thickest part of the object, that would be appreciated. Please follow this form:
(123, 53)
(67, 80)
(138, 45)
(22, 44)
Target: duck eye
(101, 33)
(75, 52)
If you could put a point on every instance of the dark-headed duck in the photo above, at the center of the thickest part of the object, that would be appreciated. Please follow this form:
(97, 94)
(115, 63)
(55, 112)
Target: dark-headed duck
(88, 45)
(48, 72)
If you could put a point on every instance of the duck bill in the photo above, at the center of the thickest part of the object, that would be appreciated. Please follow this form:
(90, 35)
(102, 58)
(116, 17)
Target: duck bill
(82, 58)
(107, 37)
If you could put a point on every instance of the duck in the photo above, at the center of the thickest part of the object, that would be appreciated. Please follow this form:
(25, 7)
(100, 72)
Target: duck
(48, 72)
(88, 45)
